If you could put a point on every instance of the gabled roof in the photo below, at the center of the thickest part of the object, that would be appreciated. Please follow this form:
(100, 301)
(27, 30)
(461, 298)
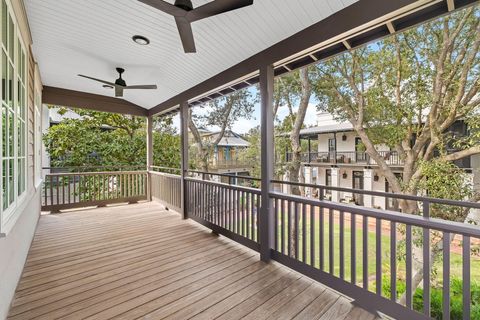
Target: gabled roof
(229, 139)
(233, 142)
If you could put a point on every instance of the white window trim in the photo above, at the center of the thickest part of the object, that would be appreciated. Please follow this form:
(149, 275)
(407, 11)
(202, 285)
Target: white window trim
(9, 217)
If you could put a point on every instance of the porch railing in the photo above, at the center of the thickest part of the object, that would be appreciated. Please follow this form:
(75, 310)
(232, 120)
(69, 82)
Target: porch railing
(82, 189)
(333, 243)
(347, 157)
(167, 188)
(365, 253)
(230, 164)
(226, 209)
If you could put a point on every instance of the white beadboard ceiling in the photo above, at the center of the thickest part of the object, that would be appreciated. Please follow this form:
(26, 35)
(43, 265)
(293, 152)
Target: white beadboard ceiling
(93, 37)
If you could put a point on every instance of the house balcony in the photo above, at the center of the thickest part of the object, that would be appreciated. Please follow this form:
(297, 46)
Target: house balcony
(144, 261)
(232, 164)
(346, 158)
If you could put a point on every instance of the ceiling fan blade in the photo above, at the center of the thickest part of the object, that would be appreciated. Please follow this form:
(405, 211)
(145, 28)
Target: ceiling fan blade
(165, 7)
(118, 91)
(99, 80)
(216, 7)
(146, 86)
(186, 34)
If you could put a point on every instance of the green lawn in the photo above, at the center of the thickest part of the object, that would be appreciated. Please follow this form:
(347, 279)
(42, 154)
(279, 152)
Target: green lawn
(436, 277)
(456, 259)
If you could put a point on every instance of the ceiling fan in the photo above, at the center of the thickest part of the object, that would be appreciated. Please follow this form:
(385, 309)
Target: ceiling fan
(185, 14)
(120, 84)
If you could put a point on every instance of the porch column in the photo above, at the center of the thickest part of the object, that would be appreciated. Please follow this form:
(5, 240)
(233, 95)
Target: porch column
(184, 156)
(335, 183)
(265, 220)
(368, 186)
(149, 155)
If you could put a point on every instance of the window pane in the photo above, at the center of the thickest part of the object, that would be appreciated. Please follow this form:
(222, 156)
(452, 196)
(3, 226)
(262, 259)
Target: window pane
(10, 86)
(21, 175)
(23, 103)
(18, 59)
(11, 132)
(5, 184)
(19, 85)
(11, 181)
(11, 37)
(4, 131)
(4, 23)
(24, 75)
(19, 140)
(4, 77)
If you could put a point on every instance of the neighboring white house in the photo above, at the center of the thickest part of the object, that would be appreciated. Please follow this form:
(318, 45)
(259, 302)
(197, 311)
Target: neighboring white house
(340, 161)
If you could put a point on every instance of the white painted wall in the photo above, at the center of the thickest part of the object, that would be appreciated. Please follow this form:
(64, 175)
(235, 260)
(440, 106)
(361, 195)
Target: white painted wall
(377, 202)
(14, 249)
(342, 145)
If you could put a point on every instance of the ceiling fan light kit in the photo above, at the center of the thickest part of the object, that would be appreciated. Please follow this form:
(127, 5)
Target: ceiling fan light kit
(184, 14)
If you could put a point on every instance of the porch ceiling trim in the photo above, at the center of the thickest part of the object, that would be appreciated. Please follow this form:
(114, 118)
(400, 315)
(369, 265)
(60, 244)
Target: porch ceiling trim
(78, 99)
(353, 16)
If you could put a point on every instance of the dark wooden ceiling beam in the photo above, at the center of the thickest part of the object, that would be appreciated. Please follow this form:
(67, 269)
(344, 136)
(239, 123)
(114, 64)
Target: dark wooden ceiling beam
(78, 99)
(353, 16)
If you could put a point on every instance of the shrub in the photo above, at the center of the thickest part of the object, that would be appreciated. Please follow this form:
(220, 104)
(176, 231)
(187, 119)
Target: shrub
(436, 294)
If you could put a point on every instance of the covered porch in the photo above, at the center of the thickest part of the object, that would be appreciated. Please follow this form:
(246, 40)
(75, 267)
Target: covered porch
(174, 243)
(142, 261)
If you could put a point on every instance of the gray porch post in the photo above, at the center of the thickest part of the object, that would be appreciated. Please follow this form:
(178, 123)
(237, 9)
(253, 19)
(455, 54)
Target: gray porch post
(184, 156)
(149, 155)
(266, 227)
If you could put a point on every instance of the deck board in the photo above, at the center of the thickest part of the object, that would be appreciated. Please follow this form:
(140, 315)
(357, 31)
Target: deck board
(141, 261)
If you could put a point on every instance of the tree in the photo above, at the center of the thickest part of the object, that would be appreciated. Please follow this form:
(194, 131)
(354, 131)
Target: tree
(107, 139)
(406, 92)
(222, 112)
(294, 91)
(251, 154)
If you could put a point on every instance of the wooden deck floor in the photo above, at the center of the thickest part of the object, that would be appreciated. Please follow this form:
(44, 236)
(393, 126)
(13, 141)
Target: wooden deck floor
(140, 261)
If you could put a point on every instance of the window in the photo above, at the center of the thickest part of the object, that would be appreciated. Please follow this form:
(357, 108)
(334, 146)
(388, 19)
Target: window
(14, 115)
(332, 145)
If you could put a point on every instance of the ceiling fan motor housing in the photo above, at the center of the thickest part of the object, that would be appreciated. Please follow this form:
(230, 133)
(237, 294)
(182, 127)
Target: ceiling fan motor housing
(120, 81)
(184, 4)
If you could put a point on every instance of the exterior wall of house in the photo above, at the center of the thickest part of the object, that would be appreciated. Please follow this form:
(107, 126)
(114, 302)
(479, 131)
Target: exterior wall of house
(342, 172)
(347, 145)
(317, 175)
(15, 238)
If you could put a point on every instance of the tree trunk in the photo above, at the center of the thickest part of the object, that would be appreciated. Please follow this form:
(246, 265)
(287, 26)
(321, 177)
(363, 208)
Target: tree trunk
(294, 168)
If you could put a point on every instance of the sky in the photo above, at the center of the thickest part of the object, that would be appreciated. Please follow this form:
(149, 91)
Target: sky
(242, 126)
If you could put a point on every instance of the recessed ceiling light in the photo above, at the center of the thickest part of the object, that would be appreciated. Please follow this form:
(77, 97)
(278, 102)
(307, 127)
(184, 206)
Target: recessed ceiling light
(141, 40)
